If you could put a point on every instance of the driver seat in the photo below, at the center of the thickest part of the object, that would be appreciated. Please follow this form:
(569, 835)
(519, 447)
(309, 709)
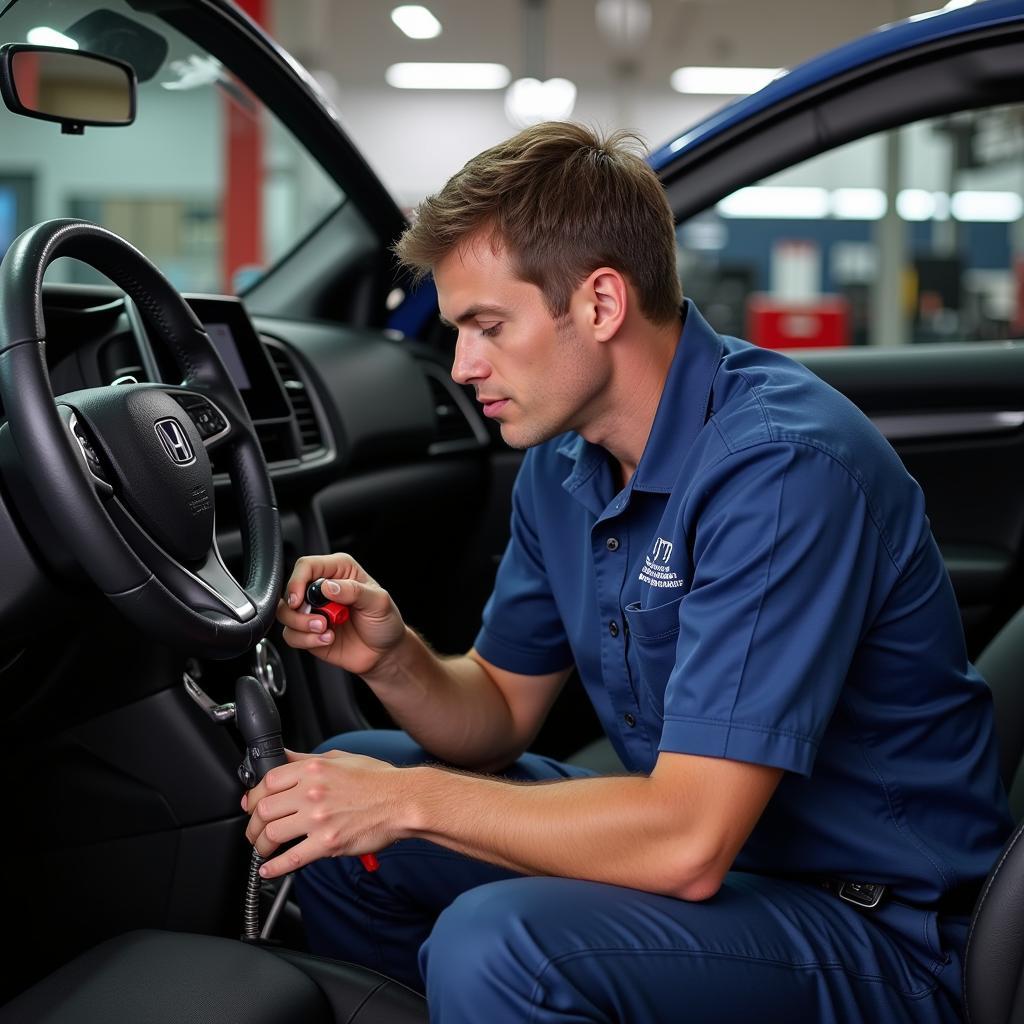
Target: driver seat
(155, 977)
(994, 957)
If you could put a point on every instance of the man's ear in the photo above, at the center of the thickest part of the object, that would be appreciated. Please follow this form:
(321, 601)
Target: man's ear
(608, 299)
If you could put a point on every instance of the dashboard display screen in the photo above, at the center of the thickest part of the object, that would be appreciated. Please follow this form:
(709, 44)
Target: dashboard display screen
(232, 334)
(224, 342)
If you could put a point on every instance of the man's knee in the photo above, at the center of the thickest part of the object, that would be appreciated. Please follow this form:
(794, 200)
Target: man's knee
(493, 927)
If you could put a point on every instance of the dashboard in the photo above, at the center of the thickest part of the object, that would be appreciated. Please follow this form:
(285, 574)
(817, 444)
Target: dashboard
(324, 399)
(335, 409)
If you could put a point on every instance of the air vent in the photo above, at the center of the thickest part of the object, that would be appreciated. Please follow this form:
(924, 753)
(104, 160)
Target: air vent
(311, 437)
(454, 429)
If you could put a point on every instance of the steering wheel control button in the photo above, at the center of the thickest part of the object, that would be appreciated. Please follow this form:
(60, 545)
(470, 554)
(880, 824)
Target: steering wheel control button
(92, 459)
(207, 418)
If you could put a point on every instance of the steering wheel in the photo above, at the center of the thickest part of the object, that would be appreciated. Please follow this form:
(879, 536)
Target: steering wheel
(123, 471)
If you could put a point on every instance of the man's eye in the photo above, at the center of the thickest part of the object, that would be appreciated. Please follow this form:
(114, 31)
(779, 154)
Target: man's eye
(490, 332)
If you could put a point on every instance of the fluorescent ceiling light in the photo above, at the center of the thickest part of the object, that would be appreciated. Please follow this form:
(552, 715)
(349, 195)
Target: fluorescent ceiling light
(448, 76)
(529, 101)
(1000, 207)
(916, 204)
(858, 203)
(723, 81)
(44, 36)
(416, 21)
(776, 202)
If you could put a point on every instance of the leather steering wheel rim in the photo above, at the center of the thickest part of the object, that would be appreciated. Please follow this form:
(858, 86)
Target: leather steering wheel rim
(150, 587)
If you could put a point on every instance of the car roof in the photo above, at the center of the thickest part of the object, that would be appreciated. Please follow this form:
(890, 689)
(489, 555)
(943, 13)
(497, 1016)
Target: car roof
(883, 43)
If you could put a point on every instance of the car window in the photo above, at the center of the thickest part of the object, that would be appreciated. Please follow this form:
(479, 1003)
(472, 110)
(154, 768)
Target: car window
(204, 163)
(911, 235)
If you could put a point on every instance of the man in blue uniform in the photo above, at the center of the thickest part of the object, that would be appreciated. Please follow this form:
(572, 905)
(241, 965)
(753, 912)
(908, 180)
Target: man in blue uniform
(742, 572)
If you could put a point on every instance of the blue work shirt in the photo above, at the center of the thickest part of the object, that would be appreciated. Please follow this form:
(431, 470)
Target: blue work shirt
(766, 588)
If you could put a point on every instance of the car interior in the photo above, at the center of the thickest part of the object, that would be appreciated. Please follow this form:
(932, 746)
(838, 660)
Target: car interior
(309, 397)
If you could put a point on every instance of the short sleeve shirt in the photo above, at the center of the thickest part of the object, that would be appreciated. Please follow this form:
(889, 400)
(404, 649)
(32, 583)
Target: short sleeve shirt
(765, 588)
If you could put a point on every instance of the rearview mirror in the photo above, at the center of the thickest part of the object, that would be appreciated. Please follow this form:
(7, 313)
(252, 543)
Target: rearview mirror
(70, 87)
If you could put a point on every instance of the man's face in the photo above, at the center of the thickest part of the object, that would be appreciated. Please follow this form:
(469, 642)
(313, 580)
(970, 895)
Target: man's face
(536, 376)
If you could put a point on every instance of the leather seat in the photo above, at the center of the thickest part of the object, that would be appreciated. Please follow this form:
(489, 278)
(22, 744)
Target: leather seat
(153, 977)
(994, 960)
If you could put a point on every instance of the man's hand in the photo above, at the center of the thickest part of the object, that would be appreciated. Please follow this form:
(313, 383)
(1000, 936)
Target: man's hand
(342, 804)
(374, 627)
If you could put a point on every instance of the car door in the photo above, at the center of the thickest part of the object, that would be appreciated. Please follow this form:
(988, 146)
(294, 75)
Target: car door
(869, 221)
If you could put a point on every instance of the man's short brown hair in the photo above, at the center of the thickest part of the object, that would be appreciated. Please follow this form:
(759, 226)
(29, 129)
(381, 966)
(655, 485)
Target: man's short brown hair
(562, 201)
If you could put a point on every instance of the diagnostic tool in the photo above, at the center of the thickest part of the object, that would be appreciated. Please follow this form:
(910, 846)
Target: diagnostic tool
(317, 604)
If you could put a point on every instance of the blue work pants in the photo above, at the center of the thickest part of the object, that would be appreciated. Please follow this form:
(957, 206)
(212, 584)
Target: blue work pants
(489, 945)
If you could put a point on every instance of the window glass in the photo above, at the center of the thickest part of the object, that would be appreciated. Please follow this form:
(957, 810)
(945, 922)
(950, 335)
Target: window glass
(913, 235)
(206, 182)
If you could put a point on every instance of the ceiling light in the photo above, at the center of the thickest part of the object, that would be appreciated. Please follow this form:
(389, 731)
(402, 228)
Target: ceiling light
(1000, 207)
(723, 81)
(529, 101)
(919, 204)
(776, 202)
(44, 36)
(858, 203)
(416, 21)
(447, 76)
(915, 204)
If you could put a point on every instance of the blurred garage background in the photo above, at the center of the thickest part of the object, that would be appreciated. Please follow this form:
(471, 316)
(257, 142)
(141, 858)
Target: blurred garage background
(905, 236)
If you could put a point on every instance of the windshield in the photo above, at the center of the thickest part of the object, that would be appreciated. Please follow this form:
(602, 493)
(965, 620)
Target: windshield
(206, 182)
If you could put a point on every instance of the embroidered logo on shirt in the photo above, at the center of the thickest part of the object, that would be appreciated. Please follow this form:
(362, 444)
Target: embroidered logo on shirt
(656, 571)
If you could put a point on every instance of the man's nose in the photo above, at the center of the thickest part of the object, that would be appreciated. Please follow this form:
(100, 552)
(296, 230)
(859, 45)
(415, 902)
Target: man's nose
(467, 365)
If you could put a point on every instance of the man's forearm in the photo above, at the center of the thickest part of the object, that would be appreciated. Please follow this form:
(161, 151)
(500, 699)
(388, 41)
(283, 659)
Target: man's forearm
(448, 705)
(619, 830)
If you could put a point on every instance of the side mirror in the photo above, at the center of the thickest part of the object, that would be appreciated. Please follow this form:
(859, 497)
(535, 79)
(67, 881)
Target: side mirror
(70, 87)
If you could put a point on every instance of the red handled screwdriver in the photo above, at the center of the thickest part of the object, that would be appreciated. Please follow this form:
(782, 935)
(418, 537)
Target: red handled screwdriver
(336, 615)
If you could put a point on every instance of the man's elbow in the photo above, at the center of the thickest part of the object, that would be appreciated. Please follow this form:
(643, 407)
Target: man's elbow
(700, 889)
(699, 878)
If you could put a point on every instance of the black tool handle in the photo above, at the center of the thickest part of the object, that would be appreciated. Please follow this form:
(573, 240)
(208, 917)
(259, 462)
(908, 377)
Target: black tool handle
(260, 725)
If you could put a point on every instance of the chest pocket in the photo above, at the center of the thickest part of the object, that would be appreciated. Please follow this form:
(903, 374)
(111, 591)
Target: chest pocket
(653, 633)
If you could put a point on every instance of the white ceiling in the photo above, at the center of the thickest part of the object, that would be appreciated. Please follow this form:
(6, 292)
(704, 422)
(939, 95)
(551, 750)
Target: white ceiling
(415, 140)
(356, 40)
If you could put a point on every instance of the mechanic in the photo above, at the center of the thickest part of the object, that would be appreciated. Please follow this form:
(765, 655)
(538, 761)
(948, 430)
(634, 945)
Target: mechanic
(742, 572)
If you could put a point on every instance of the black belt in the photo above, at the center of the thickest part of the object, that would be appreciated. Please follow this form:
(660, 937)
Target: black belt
(958, 901)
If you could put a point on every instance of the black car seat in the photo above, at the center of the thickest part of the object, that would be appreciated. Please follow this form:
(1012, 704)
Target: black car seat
(155, 977)
(166, 977)
(994, 959)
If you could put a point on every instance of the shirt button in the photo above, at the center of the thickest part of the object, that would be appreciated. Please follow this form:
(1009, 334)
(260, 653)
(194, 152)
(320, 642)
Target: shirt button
(613, 628)
(629, 719)
(612, 544)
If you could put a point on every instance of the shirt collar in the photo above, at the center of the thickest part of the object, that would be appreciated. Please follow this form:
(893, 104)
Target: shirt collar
(683, 407)
(681, 414)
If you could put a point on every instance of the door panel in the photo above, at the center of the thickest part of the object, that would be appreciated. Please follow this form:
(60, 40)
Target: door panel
(955, 415)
